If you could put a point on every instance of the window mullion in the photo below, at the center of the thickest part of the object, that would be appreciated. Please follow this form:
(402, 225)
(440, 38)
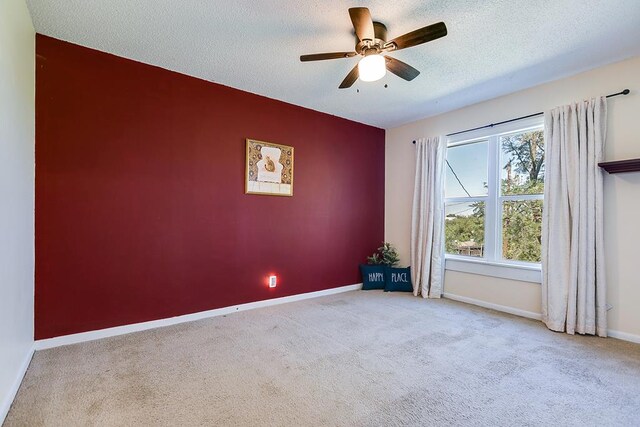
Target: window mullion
(490, 208)
(465, 199)
(518, 197)
(498, 200)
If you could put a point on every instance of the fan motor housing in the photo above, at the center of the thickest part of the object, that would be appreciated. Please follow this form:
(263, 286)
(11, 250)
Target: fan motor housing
(375, 46)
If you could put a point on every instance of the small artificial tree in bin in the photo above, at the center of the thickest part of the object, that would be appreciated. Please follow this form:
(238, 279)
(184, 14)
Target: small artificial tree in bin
(385, 255)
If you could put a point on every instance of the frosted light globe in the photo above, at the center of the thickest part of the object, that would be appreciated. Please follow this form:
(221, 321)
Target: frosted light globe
(372, 68)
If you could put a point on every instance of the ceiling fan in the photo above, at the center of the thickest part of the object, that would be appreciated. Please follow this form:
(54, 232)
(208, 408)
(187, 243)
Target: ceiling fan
(372, 44)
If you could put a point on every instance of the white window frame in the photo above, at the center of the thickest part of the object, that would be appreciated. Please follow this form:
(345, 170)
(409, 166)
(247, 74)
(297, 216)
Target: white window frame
(493, 263)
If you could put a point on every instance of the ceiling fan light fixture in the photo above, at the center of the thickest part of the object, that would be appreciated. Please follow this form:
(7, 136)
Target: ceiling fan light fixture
(371, 42)
(372, 68)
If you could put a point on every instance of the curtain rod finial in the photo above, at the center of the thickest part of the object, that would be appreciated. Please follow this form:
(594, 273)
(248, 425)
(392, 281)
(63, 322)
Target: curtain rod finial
(626, 92)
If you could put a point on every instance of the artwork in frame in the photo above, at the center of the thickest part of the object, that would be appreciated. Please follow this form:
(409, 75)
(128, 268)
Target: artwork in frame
(269, 169)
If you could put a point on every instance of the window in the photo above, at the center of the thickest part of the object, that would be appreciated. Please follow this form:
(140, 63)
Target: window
(494, 187)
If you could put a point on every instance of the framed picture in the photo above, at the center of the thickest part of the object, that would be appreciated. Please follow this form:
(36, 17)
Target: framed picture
(269, 169)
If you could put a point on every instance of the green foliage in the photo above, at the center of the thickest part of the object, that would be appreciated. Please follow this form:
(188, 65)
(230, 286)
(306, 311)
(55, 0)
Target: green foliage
(386, 255)
(526, 159)
(464, 228)
(517, 185)
(521, 230)
(522, 219)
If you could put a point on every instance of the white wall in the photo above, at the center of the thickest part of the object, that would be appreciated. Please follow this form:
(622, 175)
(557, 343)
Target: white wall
(17, 131)
(622, 191)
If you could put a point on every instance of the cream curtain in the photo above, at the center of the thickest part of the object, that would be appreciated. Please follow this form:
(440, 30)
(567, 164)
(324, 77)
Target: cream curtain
(427, 226)
(573, 285)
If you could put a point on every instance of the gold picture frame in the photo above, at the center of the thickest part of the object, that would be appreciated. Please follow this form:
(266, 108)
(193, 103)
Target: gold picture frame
(268, 169)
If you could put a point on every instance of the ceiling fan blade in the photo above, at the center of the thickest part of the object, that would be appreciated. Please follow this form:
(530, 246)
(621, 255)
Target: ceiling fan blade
(401, 69)
(323, 56)
(419, 36)
(362, 23)
(350, 79)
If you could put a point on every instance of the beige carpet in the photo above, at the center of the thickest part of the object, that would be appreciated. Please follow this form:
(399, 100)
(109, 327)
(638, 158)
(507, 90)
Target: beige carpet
(353, 359)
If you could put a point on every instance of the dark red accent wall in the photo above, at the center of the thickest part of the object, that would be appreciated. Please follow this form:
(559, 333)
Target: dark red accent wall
(140, 205)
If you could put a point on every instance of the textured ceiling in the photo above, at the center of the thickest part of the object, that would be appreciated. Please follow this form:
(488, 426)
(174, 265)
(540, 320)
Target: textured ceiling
(494, 47)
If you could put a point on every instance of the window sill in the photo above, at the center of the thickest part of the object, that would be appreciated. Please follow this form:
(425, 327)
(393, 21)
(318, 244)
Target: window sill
(521, 272)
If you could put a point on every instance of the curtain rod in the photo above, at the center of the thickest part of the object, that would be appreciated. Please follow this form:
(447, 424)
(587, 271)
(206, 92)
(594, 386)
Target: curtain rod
(624, 92)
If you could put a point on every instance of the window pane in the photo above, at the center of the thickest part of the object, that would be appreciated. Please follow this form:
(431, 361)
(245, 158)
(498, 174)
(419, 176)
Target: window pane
(522, 163)
(466, 170)
(521, 230)
(464, 228)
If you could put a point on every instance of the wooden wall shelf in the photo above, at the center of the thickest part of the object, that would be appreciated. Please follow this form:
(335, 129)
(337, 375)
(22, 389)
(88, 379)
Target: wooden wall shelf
(631, 165)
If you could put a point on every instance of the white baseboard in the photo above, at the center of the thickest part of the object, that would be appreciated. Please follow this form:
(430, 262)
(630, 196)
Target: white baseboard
(624, 336)
(137, 327)
(497, 307)
(8, 399)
